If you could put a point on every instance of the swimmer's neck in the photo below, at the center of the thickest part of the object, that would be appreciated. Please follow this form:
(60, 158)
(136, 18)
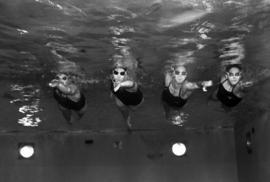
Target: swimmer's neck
(177, 84)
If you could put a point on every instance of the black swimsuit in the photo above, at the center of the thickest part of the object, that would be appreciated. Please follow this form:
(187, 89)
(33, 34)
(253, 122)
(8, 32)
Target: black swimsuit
(64, 101)
(227, 98)
(172, 100)
(128, 98)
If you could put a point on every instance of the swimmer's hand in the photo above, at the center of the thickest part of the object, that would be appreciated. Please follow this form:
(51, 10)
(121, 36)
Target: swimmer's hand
(116, 87)
(247, 84)
(206, 84)
(54, 83)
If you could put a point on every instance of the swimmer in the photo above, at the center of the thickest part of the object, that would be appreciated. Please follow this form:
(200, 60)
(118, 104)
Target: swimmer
(231, 87)
(178, 89)
(70, 99)
(125, 91)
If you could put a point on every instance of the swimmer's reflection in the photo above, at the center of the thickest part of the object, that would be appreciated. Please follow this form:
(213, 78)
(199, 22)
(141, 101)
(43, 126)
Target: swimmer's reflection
(70, 99)
(125, 91)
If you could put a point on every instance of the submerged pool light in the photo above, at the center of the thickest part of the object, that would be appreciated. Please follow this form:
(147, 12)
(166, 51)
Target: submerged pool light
(26, 150)
(179, 149)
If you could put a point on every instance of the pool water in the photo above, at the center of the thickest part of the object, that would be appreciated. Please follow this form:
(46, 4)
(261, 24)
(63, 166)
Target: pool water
(41, 37)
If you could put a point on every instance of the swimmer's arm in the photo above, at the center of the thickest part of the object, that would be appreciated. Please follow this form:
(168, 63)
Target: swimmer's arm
(54, 83)
(168, 79)
(197, 85)
(264, 76)
(69, 90)
(125, 84)
(217, 81)
(192, 85)
(247, 84)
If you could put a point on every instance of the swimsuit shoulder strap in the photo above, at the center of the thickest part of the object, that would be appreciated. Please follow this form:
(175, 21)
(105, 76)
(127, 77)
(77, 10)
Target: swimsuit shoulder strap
(224, 81)
(180, 90)
(168, 85)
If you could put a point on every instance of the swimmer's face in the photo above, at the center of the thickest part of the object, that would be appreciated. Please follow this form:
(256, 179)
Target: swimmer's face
(62, 78)
(234, 75)
(180, 74)
(119, 74)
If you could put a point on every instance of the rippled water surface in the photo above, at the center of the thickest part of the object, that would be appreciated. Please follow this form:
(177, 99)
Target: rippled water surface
(40, 37)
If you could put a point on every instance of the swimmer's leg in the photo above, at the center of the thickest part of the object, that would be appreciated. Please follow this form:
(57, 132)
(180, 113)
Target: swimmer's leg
(166, 110)
(81, 112)
(128, 121)
(73, 117)
(118, 102)
(67, 114)
(126, 115)
(125, 111)
(212, 96)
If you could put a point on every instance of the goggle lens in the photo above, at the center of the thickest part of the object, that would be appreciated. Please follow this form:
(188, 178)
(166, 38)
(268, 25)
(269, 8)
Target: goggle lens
(178, 73)
(122, 73)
